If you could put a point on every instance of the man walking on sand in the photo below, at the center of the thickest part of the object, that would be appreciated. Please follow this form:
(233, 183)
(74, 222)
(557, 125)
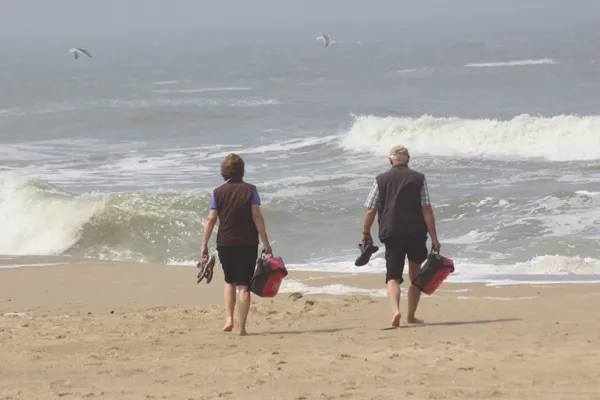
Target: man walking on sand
(400, 198)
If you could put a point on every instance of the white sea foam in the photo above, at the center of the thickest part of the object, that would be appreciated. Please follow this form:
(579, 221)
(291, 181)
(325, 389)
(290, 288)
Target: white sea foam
(283, 146)
(541, 283)
(140, 104)
(406, 71)
(496, 298)
(549, 265)
(468, 270)
(125, 165)
(289, 286)
(29, 265)
(565, 215)
(587, 193)
(471, 237)
(165, 82)
(203, 90)
(514, 63)
(560, 138)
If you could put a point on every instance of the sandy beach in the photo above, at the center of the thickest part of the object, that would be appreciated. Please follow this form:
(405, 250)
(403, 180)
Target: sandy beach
(88, 329)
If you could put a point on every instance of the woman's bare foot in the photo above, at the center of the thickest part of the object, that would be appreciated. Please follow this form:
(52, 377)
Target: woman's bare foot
(396, 320)
(414, 320)
(243, 332)
(228, 326)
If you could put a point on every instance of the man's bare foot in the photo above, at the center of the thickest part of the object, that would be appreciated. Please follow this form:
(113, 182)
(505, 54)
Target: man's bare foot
(228, 326)
(414, 320)
(243, 332)
(396, 320)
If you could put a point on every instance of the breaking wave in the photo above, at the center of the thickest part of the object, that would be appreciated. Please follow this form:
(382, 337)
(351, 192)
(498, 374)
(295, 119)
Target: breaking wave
(560, 138)
(144, 226)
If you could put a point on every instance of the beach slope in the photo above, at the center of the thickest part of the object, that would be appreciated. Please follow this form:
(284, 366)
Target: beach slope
(87, 329)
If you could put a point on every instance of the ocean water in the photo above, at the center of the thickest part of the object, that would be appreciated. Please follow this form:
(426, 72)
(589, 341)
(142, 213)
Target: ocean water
(115, 158)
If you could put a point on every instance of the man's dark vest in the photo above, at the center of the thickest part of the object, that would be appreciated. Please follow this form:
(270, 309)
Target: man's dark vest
(234, 205)
(400, 211)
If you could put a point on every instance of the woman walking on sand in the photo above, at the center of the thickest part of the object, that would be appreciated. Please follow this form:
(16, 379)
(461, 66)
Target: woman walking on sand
(236, 205)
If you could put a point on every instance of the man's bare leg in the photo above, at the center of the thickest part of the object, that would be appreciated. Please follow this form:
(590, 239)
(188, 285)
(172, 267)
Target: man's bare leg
(393, 291)
(244, 308)
(414, 294)
(229, 295)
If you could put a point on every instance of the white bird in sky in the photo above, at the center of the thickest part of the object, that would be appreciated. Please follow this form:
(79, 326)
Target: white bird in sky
(77, 51)
(324, 38)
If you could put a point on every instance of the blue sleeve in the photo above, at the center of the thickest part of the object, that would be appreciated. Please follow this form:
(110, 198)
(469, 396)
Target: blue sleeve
(213, 202)
(255, 197)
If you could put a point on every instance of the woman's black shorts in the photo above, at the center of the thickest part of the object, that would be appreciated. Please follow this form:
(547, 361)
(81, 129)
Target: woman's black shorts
(238, 263)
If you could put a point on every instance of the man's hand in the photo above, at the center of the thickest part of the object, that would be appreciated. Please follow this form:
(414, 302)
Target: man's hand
(367, 224)
(204, 251)
(366, 238)
(430, 222)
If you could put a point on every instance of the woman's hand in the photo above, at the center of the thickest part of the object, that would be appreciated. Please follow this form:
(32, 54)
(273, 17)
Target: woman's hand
(268, 249)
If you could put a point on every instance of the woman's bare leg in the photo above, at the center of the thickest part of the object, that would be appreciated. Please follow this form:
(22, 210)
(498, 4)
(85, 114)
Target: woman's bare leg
(229, 295)
(244, 308)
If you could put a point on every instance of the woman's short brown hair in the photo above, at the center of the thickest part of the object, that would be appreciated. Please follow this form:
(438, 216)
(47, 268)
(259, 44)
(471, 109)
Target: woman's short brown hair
(232, 167)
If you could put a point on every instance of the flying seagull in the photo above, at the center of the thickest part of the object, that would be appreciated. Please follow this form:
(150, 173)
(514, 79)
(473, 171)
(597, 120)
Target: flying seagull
(324, 38)
(79, 51)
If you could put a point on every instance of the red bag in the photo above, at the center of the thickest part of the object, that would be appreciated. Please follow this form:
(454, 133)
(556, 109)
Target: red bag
(434, 272)
(268, 275)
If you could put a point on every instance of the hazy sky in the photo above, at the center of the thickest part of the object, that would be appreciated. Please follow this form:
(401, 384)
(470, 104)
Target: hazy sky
(246, 21)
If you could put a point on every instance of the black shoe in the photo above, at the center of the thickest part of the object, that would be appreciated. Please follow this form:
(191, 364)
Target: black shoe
(367, 250)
